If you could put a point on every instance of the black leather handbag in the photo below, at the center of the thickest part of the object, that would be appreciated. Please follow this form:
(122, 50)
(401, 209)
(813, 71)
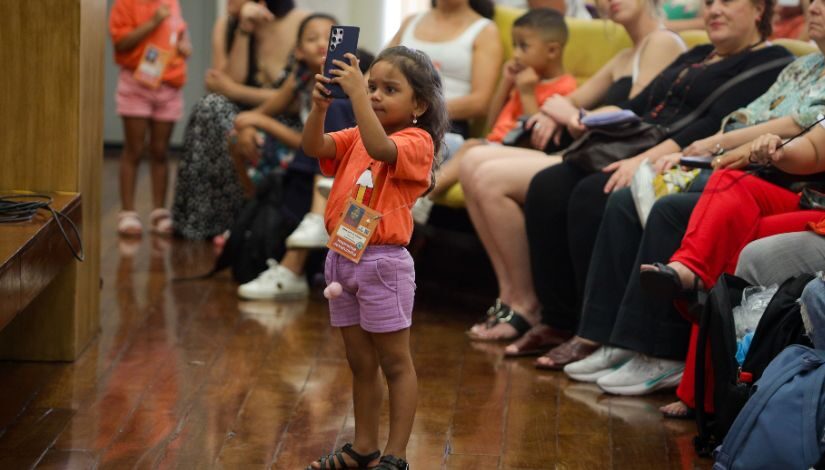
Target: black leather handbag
(598, 148)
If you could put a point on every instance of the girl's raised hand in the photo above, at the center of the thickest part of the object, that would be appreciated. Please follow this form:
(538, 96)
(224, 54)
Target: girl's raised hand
(349, 76)
(320, 93)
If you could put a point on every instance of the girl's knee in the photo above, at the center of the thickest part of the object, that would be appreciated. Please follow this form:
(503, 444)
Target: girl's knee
(363, 364)
(396, 365)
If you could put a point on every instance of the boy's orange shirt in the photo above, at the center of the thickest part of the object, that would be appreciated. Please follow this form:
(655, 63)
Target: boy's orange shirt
(391, 189)
(508, 117)
(129, 14)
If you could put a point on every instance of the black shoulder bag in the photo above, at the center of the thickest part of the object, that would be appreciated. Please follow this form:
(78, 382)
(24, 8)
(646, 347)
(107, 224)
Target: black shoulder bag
(598, 148)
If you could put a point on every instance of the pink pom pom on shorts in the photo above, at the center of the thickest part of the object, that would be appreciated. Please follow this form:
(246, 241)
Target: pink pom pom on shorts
(378, 292)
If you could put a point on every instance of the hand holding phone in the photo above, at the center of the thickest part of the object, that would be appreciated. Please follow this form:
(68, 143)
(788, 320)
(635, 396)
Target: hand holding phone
(706, 162)
(342, 40)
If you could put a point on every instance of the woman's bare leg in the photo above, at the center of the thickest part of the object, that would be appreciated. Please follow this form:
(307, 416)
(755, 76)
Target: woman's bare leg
(497, 188)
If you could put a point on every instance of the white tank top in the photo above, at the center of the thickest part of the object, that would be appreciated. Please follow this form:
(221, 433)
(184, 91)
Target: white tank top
(453, 59)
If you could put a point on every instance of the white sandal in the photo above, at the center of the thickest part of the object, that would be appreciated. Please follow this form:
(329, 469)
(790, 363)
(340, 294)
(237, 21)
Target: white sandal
(128, 224)
(161, 221)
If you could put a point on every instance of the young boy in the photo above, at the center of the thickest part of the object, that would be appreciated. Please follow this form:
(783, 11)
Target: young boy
(534, 74)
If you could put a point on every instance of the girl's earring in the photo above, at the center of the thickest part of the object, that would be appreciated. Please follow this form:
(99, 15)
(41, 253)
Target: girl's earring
(415, 119)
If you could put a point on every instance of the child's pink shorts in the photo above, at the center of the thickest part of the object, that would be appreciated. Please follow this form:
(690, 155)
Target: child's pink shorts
(378, 292)
(164, 103)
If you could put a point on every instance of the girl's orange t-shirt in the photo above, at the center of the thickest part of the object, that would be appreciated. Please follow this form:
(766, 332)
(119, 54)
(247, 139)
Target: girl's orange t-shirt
(391, 189)
(127, 15)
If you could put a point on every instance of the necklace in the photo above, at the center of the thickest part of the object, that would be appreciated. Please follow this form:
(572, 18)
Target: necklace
(694, 70)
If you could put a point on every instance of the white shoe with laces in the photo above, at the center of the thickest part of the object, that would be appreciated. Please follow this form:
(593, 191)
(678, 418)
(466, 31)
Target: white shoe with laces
(310, 233)
(642, 375)
(603, 361)
(421, 210)
(276, 283)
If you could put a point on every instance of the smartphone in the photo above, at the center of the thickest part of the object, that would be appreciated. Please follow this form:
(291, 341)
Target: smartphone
(705, 163)
(342, 40)
(696, 162)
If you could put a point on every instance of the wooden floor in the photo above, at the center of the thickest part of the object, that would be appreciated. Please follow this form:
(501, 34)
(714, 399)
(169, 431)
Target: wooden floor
(184, 375)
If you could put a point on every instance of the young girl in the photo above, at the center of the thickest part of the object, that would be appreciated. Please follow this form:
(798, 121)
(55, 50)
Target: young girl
(151, 47)
(381, 166)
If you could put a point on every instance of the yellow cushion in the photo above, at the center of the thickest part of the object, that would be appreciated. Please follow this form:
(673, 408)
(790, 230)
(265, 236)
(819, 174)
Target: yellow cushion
(796, 47)
(694, 37)
(592, 43)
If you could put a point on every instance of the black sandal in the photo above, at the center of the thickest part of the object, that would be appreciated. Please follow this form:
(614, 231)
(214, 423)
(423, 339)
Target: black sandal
(391, 462)
(328, 462)
(665, 284)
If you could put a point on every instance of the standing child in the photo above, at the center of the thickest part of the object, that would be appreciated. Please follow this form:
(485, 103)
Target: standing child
(151, 47)
(380, 168)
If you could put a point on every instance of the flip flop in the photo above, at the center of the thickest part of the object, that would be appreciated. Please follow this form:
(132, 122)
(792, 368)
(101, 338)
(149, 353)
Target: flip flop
(509, 316)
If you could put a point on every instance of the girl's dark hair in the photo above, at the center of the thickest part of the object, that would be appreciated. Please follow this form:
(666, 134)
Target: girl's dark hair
(425, 81)
(765, 24)
(485, 8)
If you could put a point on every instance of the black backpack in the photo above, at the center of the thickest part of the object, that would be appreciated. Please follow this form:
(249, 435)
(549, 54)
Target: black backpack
(780, 326)
(258, 233)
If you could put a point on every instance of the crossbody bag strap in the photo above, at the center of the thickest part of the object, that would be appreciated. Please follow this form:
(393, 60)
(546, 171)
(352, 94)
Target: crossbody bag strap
(752, 72)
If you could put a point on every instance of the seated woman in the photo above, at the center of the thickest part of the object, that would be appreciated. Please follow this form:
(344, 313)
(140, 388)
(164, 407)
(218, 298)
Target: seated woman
(735, 208)
(464, 43)
(615, 311)
(250, 53)
(496, 185)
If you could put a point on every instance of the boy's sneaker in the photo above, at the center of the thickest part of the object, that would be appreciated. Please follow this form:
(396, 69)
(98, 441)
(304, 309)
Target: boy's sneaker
(276, 283)
(642, 375)
(421, 210)
(603, 361)
(324, 186)
(311, 233)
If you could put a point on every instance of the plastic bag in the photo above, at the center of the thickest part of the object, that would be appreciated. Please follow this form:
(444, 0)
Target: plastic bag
(754, 302)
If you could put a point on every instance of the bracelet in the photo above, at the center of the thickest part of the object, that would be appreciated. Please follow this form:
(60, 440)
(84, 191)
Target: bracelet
(243, 31)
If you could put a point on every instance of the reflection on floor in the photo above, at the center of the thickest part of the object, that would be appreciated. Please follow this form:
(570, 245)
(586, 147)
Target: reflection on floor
(185, 375)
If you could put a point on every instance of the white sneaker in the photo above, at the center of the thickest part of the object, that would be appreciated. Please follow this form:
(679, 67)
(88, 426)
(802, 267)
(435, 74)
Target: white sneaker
(642, 375)
(276, 283)
(310, 233)
(603, 361)
(324, 186)
(421, 210)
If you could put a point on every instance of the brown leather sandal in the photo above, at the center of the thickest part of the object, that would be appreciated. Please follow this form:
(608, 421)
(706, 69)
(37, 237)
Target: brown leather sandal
(571, 350)
(538, 340)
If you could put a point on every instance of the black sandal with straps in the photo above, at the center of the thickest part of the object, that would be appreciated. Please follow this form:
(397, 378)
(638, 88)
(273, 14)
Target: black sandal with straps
(391, 462)
(664, 283)
(335, 460)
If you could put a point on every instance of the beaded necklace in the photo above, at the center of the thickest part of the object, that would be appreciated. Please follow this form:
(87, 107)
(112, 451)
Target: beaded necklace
(697, 69)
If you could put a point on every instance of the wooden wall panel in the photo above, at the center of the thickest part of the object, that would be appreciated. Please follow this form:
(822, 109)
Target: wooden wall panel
(51, 119)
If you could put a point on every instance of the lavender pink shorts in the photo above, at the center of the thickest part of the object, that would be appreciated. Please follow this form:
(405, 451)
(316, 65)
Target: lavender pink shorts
(378, 292)
(164, 103)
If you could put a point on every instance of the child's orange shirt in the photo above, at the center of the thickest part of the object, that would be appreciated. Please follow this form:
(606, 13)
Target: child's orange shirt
(508, 117)
(129, 14)
(391, 189)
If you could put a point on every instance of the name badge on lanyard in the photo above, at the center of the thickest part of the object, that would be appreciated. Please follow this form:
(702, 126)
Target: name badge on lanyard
(152, 65)
(353, 232)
